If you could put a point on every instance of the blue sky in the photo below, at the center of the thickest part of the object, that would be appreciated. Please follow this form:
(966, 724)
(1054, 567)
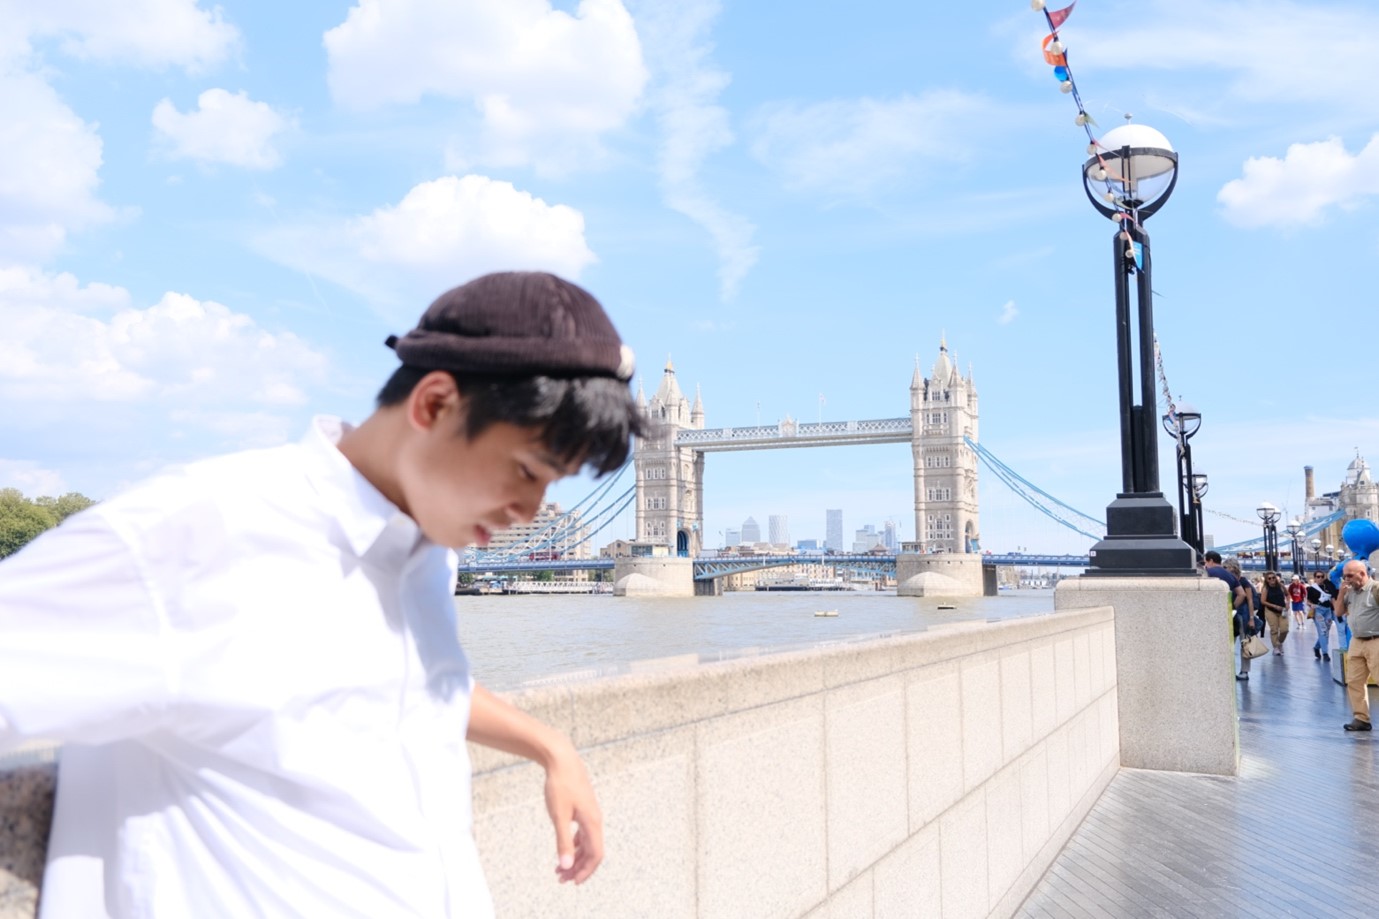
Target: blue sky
(211, 216)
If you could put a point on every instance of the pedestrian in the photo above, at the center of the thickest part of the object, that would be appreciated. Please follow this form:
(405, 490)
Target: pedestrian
(1274, 599)
(1358, 604)
(1245, 613)
(253, 660)
(1297, 597)
(1235, 596)
(1320, 596)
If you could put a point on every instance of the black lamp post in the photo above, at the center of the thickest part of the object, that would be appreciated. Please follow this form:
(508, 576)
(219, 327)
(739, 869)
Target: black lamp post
(1270, 514)
(1295, 534)
(1316, 545)
(1199, 491)
(1182, 424)
(1129, 176)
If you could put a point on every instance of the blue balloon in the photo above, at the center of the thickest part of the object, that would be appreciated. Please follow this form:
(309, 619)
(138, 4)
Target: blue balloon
(1061, 73)
(1361, 537)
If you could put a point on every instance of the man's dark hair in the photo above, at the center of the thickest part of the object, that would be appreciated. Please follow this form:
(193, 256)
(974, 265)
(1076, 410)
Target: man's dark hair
(1213, 556)
(581, 418)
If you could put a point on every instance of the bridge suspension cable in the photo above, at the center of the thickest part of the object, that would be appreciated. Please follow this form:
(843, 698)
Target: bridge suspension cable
(1059, 511)
(559, 530)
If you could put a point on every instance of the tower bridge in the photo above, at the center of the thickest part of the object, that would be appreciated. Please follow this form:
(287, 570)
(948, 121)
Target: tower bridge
(940, 426)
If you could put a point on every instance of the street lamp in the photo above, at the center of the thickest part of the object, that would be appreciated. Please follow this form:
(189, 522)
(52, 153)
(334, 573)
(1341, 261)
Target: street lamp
(1316, 545)
(1294, 529)
(1270, 514)
(1182, 424)
(1129, 176)
(1199, 491)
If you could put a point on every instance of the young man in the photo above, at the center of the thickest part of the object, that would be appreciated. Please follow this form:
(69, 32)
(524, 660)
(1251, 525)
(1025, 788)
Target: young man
(253, 660)
(1358, 603)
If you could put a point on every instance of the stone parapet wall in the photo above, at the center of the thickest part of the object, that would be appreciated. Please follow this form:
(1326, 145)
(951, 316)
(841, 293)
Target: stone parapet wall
(936, 774)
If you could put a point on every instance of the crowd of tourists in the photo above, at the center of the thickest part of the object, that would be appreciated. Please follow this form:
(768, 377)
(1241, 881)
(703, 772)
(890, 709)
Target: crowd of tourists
(1268, 606)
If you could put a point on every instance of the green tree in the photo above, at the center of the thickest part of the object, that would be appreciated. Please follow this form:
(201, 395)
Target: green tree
(22, 520)
(65, 506)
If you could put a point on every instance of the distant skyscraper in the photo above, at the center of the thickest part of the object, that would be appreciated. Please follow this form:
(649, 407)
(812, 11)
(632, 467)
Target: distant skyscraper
(888, 538)
(751, 531)
(732, 538)
(779, 526)
(866, 539)
(833, 530)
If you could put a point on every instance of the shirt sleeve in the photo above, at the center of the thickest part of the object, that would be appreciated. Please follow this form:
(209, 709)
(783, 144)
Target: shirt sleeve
(82, 639)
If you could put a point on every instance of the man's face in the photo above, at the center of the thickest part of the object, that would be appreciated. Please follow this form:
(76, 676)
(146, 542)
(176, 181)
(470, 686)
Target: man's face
(1354, 574)
(460, 490)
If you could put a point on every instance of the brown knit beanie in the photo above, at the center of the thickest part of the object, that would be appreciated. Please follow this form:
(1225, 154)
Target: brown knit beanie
(523, 323)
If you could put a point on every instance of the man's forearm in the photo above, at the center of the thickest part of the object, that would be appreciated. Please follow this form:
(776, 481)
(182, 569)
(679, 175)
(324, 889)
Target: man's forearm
(502, 726)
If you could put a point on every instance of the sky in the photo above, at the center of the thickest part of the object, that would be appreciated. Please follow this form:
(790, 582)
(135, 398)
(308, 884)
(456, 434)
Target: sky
(211, 216)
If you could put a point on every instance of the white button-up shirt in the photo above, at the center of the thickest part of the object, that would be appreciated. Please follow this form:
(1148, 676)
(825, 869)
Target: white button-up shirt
(253, 663)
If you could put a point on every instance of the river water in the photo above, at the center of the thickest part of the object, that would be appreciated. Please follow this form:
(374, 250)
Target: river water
(519, 640)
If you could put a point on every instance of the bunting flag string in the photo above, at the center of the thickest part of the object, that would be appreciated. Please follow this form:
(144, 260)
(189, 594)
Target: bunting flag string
(1056, 55)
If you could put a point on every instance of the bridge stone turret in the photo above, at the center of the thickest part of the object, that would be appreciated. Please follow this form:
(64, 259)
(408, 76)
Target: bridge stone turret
(670, 495)
(943, 558)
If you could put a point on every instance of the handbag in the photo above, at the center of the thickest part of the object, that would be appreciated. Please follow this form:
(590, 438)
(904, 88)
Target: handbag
(1254, 647)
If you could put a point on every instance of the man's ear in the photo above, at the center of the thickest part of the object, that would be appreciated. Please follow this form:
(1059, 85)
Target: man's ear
(434, 399)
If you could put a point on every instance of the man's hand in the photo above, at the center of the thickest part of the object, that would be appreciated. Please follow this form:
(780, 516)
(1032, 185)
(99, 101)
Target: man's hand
(570, 798)
(576, 816)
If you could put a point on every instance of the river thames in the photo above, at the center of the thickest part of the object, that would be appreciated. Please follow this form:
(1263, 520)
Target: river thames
(516, 640)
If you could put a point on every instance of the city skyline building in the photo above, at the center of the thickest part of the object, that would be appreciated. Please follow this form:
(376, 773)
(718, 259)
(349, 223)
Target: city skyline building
(833, 529)
(551, 534)
(865, 539)
(732, 537)
(751, 531)
(778, 529)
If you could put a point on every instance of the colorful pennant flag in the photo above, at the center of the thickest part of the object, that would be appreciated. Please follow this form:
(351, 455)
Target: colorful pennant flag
(1058, 17)
(1054, 60)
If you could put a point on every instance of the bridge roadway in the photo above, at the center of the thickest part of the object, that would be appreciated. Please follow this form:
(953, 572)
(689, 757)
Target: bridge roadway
(708, 568)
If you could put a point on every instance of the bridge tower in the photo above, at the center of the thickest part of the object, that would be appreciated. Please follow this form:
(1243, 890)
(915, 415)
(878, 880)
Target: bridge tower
(670, 479)
(943, 409)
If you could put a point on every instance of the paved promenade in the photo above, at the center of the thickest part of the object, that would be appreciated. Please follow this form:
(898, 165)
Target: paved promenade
(1295, 834)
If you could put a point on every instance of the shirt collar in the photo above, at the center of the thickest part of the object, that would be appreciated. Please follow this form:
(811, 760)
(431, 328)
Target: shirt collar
(362, 511)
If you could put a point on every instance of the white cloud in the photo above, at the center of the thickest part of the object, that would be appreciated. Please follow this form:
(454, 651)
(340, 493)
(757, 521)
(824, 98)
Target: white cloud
(180, 350)
(1299, 188)
(545, 84)
(441, 233)
(1008, 313)
(694, 127)
(151, 33)
(31, 478)
(225, 128)
(853, 147)
(49, 165)
(1280, 51)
